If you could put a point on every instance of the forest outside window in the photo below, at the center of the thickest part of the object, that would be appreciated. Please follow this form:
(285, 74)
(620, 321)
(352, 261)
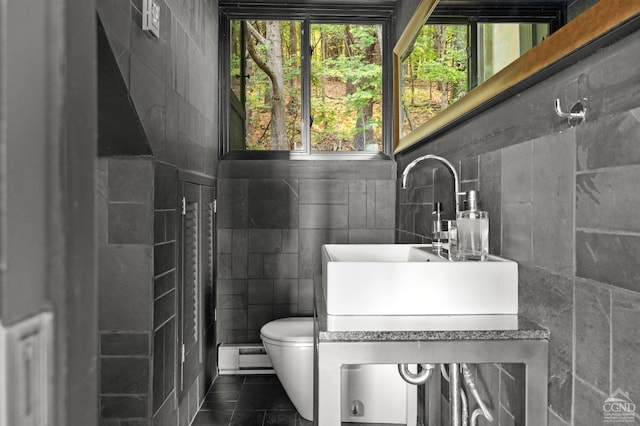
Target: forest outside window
(449, 58)
(339, 109)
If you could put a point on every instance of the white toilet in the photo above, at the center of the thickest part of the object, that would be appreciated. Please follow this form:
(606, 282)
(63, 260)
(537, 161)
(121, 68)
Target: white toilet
(289, 343)
(385, 397)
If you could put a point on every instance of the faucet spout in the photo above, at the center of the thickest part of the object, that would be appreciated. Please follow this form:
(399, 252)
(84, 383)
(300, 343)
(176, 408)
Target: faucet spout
(456, 180)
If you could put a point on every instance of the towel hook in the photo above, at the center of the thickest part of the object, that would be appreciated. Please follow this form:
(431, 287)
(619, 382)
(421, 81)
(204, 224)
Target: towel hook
(576, 115)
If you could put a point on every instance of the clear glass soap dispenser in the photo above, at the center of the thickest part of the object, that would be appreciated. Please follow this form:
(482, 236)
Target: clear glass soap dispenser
(473, 231)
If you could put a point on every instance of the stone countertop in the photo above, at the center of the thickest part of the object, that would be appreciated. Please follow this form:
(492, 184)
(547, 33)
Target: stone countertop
(525, 329)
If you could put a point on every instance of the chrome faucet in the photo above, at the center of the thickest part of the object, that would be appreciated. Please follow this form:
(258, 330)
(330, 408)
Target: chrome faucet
(456, 181)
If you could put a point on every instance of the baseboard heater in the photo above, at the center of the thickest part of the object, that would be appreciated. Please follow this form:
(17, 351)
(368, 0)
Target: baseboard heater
(245, 358)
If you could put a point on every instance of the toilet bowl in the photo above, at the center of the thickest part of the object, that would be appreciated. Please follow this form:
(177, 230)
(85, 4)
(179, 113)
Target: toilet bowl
(383, 397)
(289, 344)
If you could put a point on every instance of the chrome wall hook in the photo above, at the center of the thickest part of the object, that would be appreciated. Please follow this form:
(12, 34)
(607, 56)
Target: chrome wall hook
(576, 115)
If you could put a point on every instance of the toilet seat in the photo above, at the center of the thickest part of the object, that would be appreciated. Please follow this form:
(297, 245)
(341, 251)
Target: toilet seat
(289, 332)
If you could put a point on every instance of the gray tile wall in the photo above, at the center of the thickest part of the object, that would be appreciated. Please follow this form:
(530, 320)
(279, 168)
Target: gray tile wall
(164, 284)
(173, 83)
(173, 79)
(274, 216)
(124, 202)
(563, 202)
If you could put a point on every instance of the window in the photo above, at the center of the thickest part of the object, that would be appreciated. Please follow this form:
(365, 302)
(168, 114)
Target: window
(346, 87)
(307, 85)
(266, 85)
(459, 48)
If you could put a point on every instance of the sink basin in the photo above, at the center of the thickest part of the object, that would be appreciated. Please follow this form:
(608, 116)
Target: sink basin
(412, 280)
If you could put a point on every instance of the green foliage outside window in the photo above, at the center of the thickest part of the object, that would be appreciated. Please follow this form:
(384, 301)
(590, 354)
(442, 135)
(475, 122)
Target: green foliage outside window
(435, 74)
(346, 86)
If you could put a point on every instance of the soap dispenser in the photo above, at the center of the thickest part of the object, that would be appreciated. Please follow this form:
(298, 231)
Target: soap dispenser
(473, 231)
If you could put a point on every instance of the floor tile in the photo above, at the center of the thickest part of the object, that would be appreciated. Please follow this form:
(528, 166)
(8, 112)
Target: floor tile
(252, 400)
(247, 418)
(222, 396)
(230, 378)
(302, 422)
(212, 418)
(226, 387)
(262, 378)
(213, 405)
(263, 397)
(280, 418)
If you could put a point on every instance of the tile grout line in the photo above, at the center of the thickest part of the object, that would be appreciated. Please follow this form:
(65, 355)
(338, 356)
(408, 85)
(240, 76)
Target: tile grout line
(235, 406)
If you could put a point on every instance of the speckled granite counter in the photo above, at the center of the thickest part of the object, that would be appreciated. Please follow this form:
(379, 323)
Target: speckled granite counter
(526, 330)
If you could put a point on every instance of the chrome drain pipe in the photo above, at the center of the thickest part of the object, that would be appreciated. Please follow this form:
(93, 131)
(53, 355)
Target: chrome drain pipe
(416, 378)
(463, 397)
(471, 385)
(454, 394)
(465, 407)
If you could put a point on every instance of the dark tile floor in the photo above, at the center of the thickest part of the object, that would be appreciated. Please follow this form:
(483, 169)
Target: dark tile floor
(248, 401)
(256, 400)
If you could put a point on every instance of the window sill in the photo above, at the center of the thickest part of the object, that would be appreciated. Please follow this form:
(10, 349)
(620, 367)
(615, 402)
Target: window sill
(278, 165)
(315, 156)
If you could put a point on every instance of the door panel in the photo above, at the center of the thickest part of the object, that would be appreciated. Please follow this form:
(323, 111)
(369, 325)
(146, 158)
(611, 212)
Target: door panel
(196, 294)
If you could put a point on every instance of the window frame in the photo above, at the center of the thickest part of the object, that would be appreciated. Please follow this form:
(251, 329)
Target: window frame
(380, 14)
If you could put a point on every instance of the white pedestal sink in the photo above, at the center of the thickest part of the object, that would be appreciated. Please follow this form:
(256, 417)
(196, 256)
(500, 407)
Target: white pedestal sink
(399, 286)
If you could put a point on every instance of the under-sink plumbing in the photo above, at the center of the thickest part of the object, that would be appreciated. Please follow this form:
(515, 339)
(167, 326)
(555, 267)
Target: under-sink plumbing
(416, 378)
(471, 386)
(458, 400)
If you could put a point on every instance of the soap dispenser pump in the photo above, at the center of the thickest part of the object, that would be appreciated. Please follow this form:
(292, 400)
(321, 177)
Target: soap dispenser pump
(473, 231)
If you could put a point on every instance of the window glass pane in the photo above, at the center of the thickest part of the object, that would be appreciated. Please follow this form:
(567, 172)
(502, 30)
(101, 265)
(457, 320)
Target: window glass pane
(237, 59)
(272, 96)
(346, 87)
(434, 74)
(499, 44)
